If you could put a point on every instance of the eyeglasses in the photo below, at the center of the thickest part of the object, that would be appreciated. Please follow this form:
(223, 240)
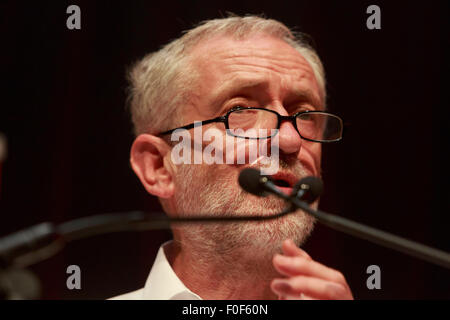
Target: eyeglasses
(260, 123)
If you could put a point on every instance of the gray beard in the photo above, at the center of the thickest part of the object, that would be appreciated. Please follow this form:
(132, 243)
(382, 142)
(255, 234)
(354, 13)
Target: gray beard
(198, 194)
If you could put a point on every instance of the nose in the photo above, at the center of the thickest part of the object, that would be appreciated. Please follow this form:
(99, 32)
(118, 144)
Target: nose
(289, 139)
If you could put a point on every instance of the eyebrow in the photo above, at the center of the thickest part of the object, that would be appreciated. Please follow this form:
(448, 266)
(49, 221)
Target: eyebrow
(234, 87)
(306, 95)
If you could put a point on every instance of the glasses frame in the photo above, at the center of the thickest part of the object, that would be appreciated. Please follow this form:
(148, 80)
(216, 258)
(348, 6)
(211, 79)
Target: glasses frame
(280, 119)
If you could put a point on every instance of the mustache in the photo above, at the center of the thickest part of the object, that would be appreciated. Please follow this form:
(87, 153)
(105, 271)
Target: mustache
(288, 163)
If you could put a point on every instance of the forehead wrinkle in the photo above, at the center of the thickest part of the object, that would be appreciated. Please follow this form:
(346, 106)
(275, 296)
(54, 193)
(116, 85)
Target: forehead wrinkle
(295, 68)
(284, 64)
(281, 58)
(233, 60)
(279, 54)
(294, 83)
(299, 81)
(296, 89)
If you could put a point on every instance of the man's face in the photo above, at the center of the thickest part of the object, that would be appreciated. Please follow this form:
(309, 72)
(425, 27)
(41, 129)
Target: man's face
(261, 72)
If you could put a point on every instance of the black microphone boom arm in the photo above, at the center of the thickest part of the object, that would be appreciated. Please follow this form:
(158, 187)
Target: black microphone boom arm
(383, 238)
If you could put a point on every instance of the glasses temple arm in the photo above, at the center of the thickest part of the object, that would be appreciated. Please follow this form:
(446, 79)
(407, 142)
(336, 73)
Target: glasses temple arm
(193, 125)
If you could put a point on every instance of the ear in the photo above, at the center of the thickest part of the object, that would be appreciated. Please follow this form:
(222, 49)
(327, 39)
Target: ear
(147, 160)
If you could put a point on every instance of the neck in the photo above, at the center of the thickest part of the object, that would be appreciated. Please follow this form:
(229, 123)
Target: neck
(236, 275)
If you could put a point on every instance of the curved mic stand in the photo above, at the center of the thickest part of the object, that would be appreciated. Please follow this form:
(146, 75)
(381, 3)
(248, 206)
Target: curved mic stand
(40, 242)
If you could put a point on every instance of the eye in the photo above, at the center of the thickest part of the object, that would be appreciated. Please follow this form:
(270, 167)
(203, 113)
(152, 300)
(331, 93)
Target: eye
(302, 108)
(238, 107)
(240, 102)
(306, 117)
(235, 107)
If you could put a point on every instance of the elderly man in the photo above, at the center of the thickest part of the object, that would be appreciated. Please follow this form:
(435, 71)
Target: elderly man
(238, 72)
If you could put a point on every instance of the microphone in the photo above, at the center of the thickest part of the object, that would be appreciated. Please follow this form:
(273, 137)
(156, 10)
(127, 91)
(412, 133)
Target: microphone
(36, 243)
(251, 180)
(44, 240)
(308, 189)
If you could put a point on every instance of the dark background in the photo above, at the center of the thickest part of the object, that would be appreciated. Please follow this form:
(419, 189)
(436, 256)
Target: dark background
(69, 135)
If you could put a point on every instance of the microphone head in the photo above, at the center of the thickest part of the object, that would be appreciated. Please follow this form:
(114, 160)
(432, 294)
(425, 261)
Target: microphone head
(250, 181)
(308, 189)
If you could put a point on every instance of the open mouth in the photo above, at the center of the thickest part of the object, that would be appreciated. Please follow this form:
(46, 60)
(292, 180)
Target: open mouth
(284, 180)
(281, 183)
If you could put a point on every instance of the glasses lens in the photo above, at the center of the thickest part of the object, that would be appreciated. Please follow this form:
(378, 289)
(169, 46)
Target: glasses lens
(319, 126)
(252, 123)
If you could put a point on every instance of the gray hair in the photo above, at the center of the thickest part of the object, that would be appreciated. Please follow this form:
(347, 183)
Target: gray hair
(164, 80)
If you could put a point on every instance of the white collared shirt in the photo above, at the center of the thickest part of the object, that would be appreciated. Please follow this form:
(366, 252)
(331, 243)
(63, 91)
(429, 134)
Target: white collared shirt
(162, 283)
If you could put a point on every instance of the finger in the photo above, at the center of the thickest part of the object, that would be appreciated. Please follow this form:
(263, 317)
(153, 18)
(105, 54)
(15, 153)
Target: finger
(291, 249)
(310, 287)
(294, 266)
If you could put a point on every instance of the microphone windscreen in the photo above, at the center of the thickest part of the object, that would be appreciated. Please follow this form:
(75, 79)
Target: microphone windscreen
(250, 181)
(312, 187)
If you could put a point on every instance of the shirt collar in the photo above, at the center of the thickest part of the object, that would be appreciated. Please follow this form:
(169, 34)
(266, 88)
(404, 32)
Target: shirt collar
(163, 283)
